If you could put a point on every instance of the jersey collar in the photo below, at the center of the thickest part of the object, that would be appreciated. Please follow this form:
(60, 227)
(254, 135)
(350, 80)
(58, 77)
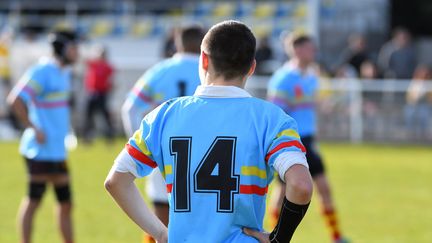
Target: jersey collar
(185, 55)
(221, 92)
(292, 68)
(51, 61)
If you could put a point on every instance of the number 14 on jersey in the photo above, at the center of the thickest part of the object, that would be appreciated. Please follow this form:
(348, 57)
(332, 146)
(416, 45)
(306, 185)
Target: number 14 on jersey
(214, 174)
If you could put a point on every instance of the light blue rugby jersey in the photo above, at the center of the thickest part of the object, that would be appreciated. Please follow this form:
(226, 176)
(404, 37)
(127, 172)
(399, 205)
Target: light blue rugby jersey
(295, 93)
(45, 88)
(173, 77)
(216, 155)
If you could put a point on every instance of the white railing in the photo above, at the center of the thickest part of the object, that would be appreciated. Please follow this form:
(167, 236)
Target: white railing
(368, 110)
(348, 109)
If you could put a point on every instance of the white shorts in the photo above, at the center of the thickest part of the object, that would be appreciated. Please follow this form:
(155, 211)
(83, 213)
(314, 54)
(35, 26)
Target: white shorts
(156, 187)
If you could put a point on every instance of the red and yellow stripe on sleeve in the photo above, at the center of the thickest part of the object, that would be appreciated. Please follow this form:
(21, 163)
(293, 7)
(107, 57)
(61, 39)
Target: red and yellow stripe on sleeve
(138, 149)
(293, 143)
(288, 133)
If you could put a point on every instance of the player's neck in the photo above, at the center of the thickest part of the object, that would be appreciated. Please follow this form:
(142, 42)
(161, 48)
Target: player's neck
(220, 81)
(303, 66)
(59, 62)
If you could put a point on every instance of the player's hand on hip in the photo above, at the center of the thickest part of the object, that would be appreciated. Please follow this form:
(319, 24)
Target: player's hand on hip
(162, 237)
(40, 136)
(262, 237)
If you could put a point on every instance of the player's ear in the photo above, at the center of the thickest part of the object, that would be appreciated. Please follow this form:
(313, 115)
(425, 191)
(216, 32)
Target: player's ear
(204, 60)
(252, 68)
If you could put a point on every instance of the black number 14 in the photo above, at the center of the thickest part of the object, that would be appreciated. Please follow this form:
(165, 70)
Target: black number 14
(214, 174)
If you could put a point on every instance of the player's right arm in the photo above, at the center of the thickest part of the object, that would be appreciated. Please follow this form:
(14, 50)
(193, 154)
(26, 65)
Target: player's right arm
(122, 188)
(138, 159)
(24, 92)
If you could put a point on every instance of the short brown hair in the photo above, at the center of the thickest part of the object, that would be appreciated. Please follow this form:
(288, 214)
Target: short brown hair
(230, 46)
(294, 40)
(189, 38)
(298, 40)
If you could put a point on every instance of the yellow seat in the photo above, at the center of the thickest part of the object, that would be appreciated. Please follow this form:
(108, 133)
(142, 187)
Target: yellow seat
(223, 10)
(264, 10)
(62, 25)
(142, 28)
(262, 30)
(301, 11)
(102, 28)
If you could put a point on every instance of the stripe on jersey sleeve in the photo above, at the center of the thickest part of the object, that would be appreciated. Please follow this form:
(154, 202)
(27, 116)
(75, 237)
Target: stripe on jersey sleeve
(139, 156)
(138, 93)
(289, 133)
(140, 143)
(29, 91)
(293, 143)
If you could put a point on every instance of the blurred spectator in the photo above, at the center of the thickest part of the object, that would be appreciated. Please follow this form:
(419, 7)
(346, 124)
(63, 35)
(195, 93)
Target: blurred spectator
(368, 70)
(397, 57)
(98, 84)
(5, 39)
(345, 71)
(418, 103)
(371, 98)
(264, 54)
(356, 52)
(5, 76)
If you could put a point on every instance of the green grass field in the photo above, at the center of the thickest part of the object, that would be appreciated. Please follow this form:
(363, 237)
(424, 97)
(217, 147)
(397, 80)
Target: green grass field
(383, 193)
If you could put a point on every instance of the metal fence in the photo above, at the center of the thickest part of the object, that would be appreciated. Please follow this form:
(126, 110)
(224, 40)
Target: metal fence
(370, 110)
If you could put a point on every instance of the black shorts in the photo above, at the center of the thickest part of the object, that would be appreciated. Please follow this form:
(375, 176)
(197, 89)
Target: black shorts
(315, 162)
(37, 167)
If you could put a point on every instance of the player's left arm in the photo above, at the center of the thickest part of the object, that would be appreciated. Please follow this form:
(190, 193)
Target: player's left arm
(286, 155)
(138, 159)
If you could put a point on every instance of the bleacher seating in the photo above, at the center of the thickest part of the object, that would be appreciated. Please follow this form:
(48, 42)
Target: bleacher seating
(270, 18)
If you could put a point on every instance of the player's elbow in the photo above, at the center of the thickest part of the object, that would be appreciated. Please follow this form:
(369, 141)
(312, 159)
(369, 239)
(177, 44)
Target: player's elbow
(302, 188)
(110, 184)
(126, 116)
(11, 100)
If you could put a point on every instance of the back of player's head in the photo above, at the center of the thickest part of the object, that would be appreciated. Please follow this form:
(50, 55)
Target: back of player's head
(188, 39)
(60, 40)
(230, 46)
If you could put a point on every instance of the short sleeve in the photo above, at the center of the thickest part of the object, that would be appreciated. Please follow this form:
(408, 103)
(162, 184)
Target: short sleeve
(30, 85)
(143, 149)
(145, 92)
(277, 91)
(286, 148)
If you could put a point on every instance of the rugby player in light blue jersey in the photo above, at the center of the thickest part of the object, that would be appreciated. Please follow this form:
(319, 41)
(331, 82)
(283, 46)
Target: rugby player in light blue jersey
(217, 151)
(40, 100)
(294, 88)
(173, 77)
